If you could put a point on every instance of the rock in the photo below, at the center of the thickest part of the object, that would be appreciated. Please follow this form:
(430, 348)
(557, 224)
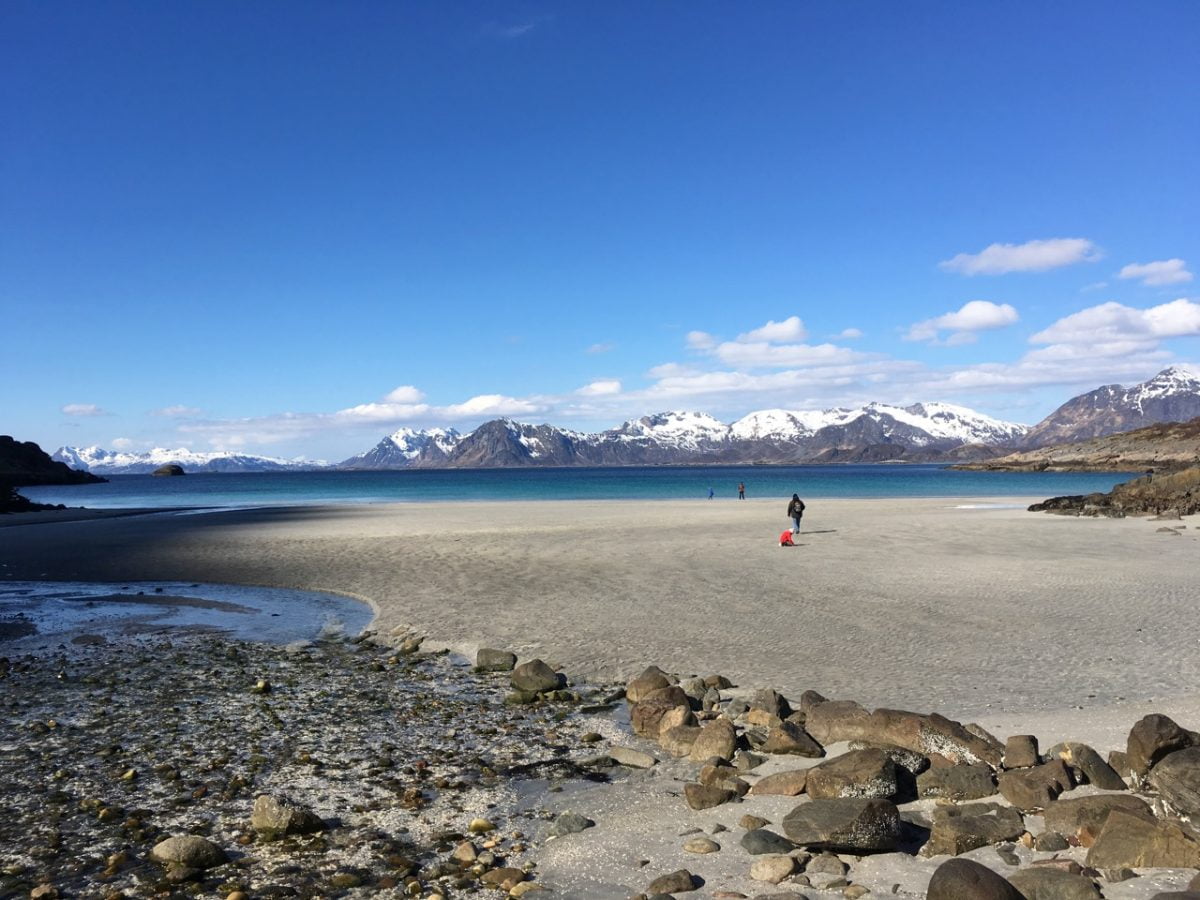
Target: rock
(1021, 752)
(701, 845)
(1152, 738)
(747, 761)
(678, 741)
(1137, 841)
(190, 851)
(962, 879)
(278, 816)
(649, 681)
(170, 470)
(505, 877)
(465, 852)
(854, 824)
(717, 738)
(634, 759)
(1068, 817)
(761, 840)
(959, 829)
(926, 734)
(1047, 883)
(701, 796)
(1036, 788)
(1119, 760)
(910, 760)
(535, 677)
(1117, 875)
(791, 739)
(1050, 842)
(772, 702)
(859, 773)
(675, 883)
(569, 823)
(480, 826)
(854, 891)
(487, 660)
(648, 716)
(960, 782)
(786, 784)
(826, 864)
(1177, 780)
(772, 868)
(1090, 765)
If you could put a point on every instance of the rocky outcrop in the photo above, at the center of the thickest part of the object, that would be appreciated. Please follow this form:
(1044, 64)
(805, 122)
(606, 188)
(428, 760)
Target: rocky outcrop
(24, 464)
(1176, 492)
(170, 470)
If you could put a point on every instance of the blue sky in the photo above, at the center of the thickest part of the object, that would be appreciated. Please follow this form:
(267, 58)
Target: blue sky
(291, 228)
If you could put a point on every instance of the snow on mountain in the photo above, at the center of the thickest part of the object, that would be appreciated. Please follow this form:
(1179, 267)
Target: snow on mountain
(410, 442)
(1176, 380)
(683, 430)
(940, 421)
(116, 462)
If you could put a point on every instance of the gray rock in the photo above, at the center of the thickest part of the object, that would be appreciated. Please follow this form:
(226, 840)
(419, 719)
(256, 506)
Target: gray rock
(959, 829)
(1050, 842)
(279, 816)
(826, 864)
(535, 677)
(772, 868)
(678, 882)
(962, 879)
(859, 773)
(634, 759)
(487, 660)
(1049, 883)
(961, 782)
(190, 851)
(1071, 816)
(1036, 788)
(760, 841)
(1138, 841)
(569, 823)
(772, 702)
(1021, 752)
(1177, 780)
(858, 825)
(701, 845)
(914, 762)
(1088, 766)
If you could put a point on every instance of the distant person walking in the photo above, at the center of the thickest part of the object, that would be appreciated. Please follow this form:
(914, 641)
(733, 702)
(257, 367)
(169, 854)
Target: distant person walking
(711, 492)
(796, 512)
(741, 490)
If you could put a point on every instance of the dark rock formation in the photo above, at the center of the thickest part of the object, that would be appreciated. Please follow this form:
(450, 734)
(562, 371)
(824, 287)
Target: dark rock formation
(23, 464)
(1148, 495)
(170, 470)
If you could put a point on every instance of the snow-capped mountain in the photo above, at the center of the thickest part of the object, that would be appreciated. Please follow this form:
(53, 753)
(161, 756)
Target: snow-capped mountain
(1173, 395)
(404, 447)
(873, 432)
(116, 462)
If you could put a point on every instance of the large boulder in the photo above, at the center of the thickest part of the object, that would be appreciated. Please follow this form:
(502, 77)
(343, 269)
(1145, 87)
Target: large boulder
(1177, 780)
(1050, 883)
(188, 851)
(1036, 788)
(786, 784)
(1139, 841)
(535, 677)
(1151, 738)
(647, 714)
(1090, 765)
(960, 782)
(790, 738)
(678, 740)
(959, 829)
(650, 680)
(170, 470)
(859, 773)
(962, 879)
(847, 721)
(278, 816)
(853, 825)
(717, 738)
(489, 660)
(1070, 817)
(1021, 751)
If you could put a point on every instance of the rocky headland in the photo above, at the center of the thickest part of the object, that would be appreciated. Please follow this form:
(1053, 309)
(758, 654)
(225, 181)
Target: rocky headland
(1168, 496)
(24, 463)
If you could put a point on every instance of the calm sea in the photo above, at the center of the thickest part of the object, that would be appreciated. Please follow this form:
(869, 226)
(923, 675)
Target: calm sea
(635, 483)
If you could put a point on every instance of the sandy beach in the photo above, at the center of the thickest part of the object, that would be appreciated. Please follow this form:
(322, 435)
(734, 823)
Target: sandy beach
(968, 607)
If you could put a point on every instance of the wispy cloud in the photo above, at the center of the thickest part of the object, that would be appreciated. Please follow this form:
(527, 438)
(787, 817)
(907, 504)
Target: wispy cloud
(1155, 274)
(602, 388)
(849, 334)
(177, 412)
(1032, 256)
(601, 348)
(510, 31)
(790, 329)
(84, 410)
(962, 325)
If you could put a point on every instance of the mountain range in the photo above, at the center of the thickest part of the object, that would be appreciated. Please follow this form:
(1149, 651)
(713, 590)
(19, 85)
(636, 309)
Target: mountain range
(876, 432)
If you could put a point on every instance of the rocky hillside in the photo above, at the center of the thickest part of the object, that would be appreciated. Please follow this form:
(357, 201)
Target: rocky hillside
(1171, 495)
(1167, 446)
(1173, 395)
(24, 463)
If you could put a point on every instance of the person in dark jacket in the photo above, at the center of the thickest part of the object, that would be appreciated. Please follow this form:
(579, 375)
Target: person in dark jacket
(796, 511)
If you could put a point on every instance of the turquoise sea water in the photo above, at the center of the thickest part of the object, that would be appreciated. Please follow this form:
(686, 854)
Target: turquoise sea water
(640, 483)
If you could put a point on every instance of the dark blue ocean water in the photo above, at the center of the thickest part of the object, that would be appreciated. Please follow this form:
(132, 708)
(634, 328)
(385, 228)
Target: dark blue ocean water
(641, 483)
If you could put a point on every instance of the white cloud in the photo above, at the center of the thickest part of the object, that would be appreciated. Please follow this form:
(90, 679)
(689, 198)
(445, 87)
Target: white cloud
(973, 316)
(790, 329)
(491, 405)
(406, 393)
(671, 370)
(849, 334)
(764, 355)
(84, 410)
(1166, 271)
(600, 388)
(700, 340)
(601, 348)
(1113, 323)
(1032, 256)
(178, 412)
(121, 443)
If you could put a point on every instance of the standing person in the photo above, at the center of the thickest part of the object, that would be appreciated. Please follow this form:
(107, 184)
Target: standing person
(710, 493)
(741, 490)
(796, 511)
